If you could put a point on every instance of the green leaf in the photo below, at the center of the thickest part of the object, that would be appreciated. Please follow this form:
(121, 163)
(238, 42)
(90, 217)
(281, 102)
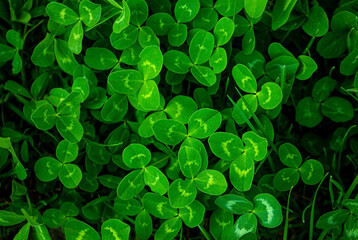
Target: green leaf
(160, 23)
(226, 146)
(221, 222)
(255, 146)
(9, 218)
(289, 155)
(234, 204)
(189, 161)
(66, 151)
(350, 227)
(199, 146)
(115, 108)
(145, 129)
(204, 122)
(126, 81)
(125, 39)
(131, 185)
(211, 182)
(149, 96)
(43, 54)
(332, 45)
(136, 156)
(268, 210)
(70, 106)
(168, 229)
(223, 30)
(44, 117)
(311, 172)
(114, 229)
(169, 131)
(201, 47)
(147, 37)
(158, 206)
(64, 57)
(100, 58)
(81, 86)
(47, 169)
(351, 205)
(70, 128)
(77, 229)
(229, 8)
(349, 65)
(251, 100)
(123, 19)
(23, 233)
(151, 62)
(75, 38)
(242, 172)
(243, 226)
(255, 8)
(177, 61)
(332, 219)
(156, 180)
(286, 178)
(281, 12)
(181, 193)
(6, 53)
(181, 108)
(41, 232)
(323, 89)
(57, 95)
(204, 75)
(143, 225)
(193, 214)
(270, 95)
(70, 175)
(90, 12)
(307, 67)
(337, 109)
(139, 11)
(16, 63)
(186, 10)
(317, 23)
(244, 78)
(206, 18)
(53, 218)
(177, 35)
(218, 61)
(13, 37)
(61, 14)
(249, 41)
(343, 21)
(308, 112)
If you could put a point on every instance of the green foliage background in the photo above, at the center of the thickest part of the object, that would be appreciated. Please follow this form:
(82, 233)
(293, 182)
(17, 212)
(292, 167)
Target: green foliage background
(188, 119)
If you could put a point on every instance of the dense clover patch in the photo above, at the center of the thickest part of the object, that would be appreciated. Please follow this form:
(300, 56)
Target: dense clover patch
(183, 119)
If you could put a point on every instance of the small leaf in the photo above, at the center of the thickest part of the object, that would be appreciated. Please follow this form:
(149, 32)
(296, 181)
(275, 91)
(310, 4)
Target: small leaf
(100, 58)
(66, 152)
(90, 12)
(307, 67)
(177, 35)
(204, 123)
(268, 210)
(332, 219)
(289, 155)
(136, 156)
(61, 14)
(169, 131)
(244, 225)
(149, 96)
(64, 57)
(255, 146)
(186, 10)
(143, 225)
(124, 39)
(114, 229)
(9, 218)
(286, 178)
(223, 30)
(70, 175)
(226, 146)
(151, 62)
(270, 96)
(158, 206)
(244, 78)
(115, 108)
(193, 214)
(126, 81)
(7, 53)
(156, 180)
(47, 169)
(13, 37)
(229, 8)
(75, 38)
(242, 172)
(221, 222)
(255, 8)
(139, 11)
(211, 182)
(145, 129)
(44, 117)
(311, 172)
(337, 109)
(81, 86)
(218, 61)
(177, 61)
(160, 23)
(74, 228)
(204, 75)
(123, 20)
(308, 112)
(43, 54)
(201, 47)
(281, 12)
(234, 204)
(190, 161)
(70, 128)
(131, 185)
(182, 193)
(168, 229)
(317, 23)
(23, 233)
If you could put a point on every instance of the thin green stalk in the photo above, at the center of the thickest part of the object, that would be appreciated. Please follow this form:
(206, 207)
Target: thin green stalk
(313, 208)
(309, 45)
(351, 188)
(323, 234)
(285, 231)
(204, 232)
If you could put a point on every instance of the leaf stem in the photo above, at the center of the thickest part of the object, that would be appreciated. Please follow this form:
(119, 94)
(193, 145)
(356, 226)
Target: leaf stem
(351, 188)
(285, 232)
(204, 232)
